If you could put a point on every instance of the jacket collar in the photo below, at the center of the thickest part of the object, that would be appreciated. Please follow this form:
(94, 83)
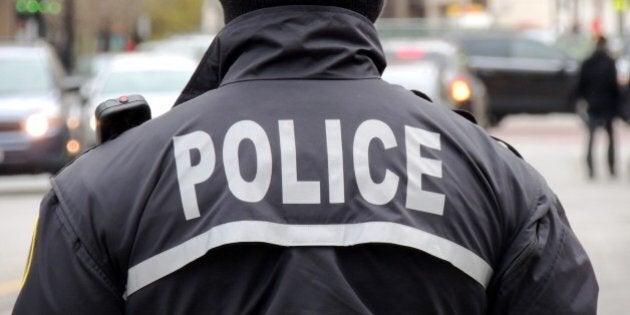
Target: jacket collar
(290, 42)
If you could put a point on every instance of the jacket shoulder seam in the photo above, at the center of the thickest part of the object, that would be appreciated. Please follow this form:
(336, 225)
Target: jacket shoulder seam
(67, 220)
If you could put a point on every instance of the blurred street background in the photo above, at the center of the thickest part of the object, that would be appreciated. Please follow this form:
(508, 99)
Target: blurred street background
(513, 64)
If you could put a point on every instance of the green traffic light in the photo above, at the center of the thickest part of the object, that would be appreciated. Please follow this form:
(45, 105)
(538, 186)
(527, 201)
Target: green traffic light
(20, 6)
(35, 6)
(53, 8)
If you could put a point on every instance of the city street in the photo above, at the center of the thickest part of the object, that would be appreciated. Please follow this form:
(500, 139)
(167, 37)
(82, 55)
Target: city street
(599, 210)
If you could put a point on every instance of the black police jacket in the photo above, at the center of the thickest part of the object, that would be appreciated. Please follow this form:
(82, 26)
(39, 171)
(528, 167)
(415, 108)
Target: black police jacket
(303, 184)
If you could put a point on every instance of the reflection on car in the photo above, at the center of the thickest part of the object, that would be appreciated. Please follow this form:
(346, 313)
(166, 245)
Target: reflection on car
(521, 75)
(188, 45)
(160, 78)
(436, 68)
(34, 132)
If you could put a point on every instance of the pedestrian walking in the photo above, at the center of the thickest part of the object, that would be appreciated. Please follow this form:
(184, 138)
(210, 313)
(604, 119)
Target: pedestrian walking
(598, 86)
(291, 179)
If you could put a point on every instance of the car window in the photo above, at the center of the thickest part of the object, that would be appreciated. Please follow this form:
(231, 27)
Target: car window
(24, 75)
(145, 81)
(486, 47)
(534, 50)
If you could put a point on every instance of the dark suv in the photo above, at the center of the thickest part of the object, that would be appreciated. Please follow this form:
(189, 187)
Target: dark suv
(521, 75)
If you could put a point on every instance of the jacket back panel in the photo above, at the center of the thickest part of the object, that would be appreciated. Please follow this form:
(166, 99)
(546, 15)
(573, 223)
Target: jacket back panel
(299, 196)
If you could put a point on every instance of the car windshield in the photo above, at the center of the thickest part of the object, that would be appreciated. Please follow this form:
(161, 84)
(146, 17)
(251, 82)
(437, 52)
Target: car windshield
(145, 81)
(23, 75)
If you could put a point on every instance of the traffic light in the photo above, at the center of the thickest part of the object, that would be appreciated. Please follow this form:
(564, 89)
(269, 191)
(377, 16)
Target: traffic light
(620, 5)
(36, 7)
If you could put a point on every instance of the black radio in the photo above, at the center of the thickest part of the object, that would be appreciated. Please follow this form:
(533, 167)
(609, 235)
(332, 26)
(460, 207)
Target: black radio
(115, 116)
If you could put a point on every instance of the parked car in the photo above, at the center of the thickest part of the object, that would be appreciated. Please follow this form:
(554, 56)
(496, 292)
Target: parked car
(160, 78)
(521, 74)
(34, 132)
(437, 68)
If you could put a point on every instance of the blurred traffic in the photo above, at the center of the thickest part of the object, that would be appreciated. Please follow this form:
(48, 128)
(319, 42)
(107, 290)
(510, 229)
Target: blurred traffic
(521, 74)
(461, 56)
(159, 77)
(47, 116)
(437, 68)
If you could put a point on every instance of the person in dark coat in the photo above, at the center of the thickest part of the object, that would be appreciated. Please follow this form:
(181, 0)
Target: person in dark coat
(291, 179)
(598, 86)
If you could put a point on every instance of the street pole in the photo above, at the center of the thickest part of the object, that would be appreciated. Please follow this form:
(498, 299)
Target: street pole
(432, 13)
(401, 8)
(576, 28)
(621, 7)
(68, 49)
(620, 23)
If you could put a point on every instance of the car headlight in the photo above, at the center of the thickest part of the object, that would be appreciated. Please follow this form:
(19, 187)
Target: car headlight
(38, 124)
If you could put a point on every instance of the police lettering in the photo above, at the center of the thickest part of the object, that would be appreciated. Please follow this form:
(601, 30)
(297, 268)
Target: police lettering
(295, 191)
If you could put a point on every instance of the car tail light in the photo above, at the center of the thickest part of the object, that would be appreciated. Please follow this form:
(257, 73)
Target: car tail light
(460, 90)
(409, 54)
(73, 147)
(73, 123)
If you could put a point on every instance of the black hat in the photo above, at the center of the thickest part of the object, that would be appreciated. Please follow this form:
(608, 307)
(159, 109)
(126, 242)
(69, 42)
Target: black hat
(369, 8)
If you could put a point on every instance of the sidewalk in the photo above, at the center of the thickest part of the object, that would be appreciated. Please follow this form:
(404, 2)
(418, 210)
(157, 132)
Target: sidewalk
(598, 210)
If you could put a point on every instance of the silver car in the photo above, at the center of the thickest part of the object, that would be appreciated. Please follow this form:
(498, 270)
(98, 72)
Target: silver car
(437, 68)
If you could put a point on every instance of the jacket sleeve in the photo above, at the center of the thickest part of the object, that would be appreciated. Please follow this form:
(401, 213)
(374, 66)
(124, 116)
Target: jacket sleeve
(545, 269)
(61, 276)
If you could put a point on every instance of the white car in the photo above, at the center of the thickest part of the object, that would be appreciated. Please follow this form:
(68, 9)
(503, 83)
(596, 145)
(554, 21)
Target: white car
(419, 75)
(437, 68)
(159, 78)
(189, 45)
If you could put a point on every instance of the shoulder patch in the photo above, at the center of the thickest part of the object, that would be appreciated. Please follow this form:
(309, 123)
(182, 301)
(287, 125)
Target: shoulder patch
(29, 260)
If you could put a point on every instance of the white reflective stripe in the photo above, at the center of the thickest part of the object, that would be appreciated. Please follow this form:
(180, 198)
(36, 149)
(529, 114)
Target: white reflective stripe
(177, 257)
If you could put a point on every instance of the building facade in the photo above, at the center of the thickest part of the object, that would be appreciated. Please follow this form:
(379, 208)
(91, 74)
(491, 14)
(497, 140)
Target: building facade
(92, 26)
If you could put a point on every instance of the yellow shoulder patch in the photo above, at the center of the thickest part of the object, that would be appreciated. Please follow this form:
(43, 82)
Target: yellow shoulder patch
(30, 253)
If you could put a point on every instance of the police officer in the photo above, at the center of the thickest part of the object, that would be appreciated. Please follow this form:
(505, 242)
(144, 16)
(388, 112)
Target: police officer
(293, 180)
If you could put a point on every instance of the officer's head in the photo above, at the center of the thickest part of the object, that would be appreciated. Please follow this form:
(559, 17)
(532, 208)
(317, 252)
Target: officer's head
(369, 8)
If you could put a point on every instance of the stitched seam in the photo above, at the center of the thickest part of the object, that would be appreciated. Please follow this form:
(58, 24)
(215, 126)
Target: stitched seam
(86, 257)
